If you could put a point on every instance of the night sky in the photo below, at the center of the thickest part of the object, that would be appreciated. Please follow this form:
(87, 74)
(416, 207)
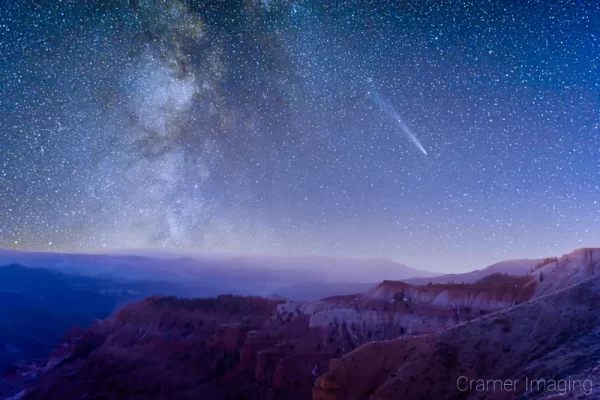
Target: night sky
(443, 134)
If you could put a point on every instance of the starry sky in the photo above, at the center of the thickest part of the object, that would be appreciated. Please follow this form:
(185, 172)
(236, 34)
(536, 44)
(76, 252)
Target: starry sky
(445, 135)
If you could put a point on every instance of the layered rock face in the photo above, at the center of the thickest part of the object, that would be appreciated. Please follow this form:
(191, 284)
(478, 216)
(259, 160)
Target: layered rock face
(162, 347)
(396, 309)
(546, 328)
(256, 348)
(553, 337)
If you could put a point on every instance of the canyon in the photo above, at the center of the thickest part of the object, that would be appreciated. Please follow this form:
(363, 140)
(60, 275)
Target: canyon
(395, 340)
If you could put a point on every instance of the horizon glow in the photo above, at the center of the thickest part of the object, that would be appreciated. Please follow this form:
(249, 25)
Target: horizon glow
(244, 127)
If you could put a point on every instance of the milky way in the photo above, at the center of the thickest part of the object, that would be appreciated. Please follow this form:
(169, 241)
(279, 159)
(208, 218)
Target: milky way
(244, 126)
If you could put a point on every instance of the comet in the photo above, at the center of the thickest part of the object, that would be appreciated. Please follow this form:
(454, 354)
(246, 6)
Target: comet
(387, 108)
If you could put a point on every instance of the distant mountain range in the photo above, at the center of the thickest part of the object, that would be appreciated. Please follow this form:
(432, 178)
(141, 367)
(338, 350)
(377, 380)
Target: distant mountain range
(510, 267)
(213, 275)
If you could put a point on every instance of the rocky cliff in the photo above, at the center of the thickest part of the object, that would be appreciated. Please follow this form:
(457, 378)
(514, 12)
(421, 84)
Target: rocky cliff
(555, 337)
(545, 325)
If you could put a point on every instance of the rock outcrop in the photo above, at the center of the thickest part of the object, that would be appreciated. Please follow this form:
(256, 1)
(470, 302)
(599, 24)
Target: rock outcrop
(553, 337)
(555, 273)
